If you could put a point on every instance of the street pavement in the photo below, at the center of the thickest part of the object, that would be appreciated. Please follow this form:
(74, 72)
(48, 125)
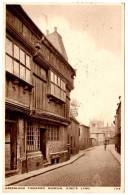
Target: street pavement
(96, 168)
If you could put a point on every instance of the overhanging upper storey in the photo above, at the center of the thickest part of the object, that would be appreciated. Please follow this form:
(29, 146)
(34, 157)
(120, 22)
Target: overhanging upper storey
(42, 50)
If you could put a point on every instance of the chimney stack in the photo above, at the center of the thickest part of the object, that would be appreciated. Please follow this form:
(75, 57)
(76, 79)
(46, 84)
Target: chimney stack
(47, 32)
(55, 29)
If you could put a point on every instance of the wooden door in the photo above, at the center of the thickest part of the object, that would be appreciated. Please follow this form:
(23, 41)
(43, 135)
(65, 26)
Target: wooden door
(43, 139)
(10, 146)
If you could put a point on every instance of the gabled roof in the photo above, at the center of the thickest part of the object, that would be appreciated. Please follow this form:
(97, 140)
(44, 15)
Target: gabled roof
(56, 39)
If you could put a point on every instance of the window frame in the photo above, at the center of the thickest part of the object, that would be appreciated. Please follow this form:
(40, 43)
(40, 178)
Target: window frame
(33, 137)
(53, 133)
(59, 86)
(18, 60)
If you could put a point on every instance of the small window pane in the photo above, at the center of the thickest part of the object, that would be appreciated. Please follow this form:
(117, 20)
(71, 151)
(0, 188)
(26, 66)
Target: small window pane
(28, 76)
(16, 68)
(22, 57)
(55, 90)
(28, 61)
(22, 72)
(55, 79)
(63, 95)
(9, 47)
(52, 77)
(61, 84)
(58, 92)
(9, 64)
(64, 86)
(52, 89)
(58, 81)
(16, 52)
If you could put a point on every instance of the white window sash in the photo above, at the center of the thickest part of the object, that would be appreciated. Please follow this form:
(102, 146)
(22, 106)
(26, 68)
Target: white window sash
(9, 64)
(16, 68)
(16, 52)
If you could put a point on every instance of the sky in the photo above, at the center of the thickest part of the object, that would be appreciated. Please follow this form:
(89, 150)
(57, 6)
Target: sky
(93, 39)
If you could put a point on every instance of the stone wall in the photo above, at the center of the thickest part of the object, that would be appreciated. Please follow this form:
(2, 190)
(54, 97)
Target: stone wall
(34, 161)
(58, 149)
(84, 138)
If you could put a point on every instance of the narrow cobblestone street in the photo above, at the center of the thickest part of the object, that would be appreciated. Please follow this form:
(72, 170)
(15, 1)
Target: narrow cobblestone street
(96, 168)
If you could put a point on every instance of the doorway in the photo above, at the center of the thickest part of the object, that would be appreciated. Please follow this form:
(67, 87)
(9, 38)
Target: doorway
(10, 146)
(43, 139)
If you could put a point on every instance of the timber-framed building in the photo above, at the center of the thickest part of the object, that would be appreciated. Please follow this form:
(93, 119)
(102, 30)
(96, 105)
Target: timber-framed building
(38, 84)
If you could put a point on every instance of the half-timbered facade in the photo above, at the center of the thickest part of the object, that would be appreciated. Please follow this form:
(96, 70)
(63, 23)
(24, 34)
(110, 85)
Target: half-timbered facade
(38, 85)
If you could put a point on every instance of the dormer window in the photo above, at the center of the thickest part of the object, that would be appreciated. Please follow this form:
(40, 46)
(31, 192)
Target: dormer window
(17, 61)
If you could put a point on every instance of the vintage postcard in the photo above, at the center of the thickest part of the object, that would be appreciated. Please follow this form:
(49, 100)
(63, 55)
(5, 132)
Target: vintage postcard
(64, 97)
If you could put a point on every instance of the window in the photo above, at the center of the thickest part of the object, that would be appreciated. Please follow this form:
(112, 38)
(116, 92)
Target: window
(17, 61)
(53, 133)
(58, 87)
(52, 88)
(16, 52)
(58, 82)
(9, 47)
(16, 68)
(9, 64)
(55, 81)
(22, 72)
(22, 57)
(62, 85)
(58, 92)
(52, 77)
(27, 61)
(33, 138)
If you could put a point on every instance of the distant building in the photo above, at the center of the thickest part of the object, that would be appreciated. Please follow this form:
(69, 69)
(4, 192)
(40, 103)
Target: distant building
(73, 136)
(117, 123)
(99, 132)
(97, 138)
(39, 80)
(84, 139)
(109, 132)
(96, 134)
(95, 124)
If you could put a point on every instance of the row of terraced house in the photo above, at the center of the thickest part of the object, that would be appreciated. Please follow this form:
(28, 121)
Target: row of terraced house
(38, 128)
